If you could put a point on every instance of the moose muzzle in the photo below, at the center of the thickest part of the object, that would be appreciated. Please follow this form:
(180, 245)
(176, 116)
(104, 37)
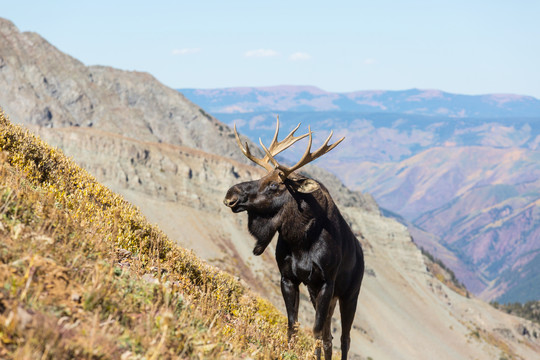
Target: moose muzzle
(233, 199)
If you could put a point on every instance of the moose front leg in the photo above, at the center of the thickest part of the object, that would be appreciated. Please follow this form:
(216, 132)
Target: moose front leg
(291, 295)
(324, 307)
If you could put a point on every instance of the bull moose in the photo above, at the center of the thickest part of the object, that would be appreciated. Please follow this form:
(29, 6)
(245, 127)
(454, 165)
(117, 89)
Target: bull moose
(315, 245)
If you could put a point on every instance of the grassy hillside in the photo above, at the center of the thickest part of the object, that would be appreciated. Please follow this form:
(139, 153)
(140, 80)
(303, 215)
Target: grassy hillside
(85, 275)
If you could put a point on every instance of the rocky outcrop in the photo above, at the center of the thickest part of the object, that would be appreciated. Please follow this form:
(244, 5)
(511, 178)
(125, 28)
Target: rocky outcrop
(43, 86)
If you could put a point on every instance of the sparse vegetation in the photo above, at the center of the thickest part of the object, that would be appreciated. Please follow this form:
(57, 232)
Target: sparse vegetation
(530, 310)
(84, 275)
(444, 274)
(482, 335)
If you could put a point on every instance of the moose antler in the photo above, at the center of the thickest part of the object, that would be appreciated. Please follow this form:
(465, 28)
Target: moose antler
(275, 147)
(306, 158)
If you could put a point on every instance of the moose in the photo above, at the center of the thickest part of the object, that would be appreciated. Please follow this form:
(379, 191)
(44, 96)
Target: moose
(315, 245)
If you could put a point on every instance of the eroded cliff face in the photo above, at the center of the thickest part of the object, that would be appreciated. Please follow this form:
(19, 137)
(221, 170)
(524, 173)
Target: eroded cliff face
(177, 169)
(45, 87)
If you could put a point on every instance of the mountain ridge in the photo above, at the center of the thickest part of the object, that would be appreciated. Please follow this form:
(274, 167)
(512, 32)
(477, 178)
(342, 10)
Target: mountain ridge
(84, 274)
(411, 101)
(51, 97)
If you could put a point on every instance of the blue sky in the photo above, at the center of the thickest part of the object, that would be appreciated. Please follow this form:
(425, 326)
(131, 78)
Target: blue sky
(470, 47)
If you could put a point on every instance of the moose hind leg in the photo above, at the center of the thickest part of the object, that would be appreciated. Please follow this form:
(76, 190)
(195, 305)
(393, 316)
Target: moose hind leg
(347, 308)
(324, 301)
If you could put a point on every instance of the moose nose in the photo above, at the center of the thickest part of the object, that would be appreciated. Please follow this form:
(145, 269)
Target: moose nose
(230, 201)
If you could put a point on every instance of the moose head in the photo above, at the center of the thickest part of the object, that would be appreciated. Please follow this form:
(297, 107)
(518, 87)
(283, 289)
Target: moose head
(265, 199)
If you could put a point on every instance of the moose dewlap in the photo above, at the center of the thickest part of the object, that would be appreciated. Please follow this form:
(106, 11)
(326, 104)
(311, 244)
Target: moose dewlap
(315, 245)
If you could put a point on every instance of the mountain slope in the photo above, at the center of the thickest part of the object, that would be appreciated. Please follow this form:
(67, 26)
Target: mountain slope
(85, 275)
(397, 291)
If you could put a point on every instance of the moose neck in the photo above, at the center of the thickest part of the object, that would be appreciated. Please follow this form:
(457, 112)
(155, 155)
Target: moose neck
(263, 228)
(296, 222)
(302, 221)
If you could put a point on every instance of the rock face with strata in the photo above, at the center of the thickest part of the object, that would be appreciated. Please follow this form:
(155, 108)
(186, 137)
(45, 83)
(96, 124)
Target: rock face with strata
(43, 86)
(404, 312)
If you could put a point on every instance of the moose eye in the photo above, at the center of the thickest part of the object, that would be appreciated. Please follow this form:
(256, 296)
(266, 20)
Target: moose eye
(273, 186)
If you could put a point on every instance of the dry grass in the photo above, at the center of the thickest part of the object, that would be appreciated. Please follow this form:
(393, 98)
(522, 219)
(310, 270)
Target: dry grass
(495, 340)
(86, 276)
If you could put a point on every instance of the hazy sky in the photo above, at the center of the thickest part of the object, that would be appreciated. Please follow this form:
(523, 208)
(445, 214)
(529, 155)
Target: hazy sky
(471, 47)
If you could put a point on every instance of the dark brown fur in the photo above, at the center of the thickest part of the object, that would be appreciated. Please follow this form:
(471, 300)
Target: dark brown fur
(315, 247)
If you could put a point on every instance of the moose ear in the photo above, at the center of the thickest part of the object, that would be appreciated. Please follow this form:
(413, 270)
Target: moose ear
(305, 186)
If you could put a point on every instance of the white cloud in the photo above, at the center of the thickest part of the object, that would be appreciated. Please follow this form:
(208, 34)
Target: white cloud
(297, 56)
(369, 61)
(261, 53)
(186, 51)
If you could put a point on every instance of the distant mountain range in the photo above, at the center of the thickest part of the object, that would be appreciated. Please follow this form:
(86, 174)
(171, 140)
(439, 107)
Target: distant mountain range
(463, 171)
(413, 101)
